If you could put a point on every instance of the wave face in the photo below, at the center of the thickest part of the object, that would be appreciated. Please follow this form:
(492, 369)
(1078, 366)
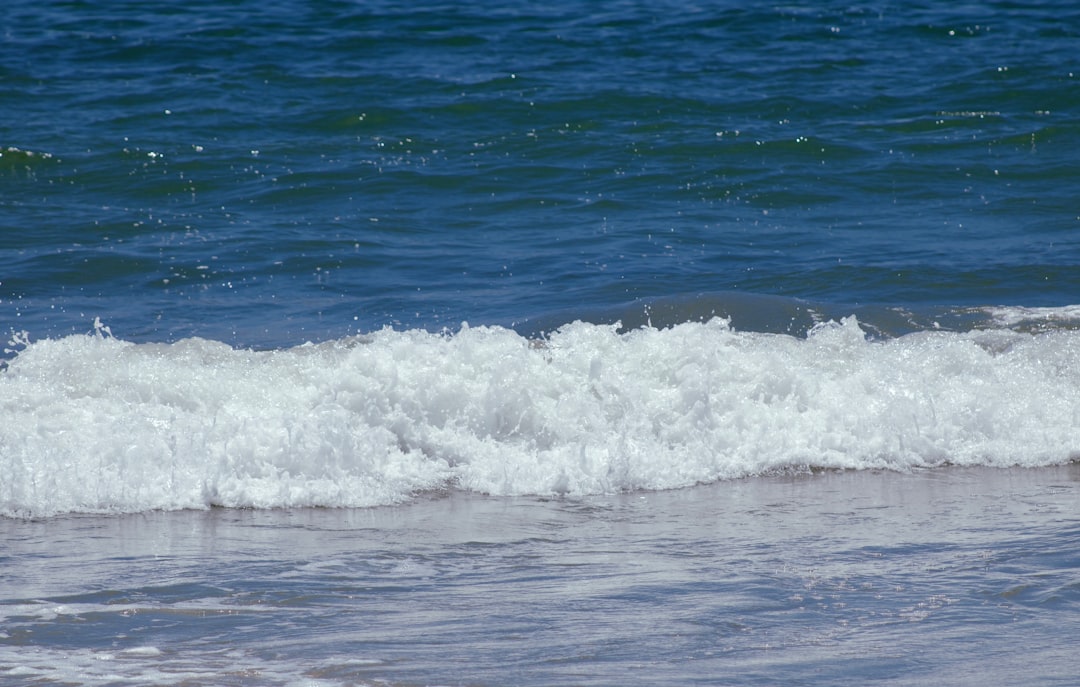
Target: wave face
(92, 423)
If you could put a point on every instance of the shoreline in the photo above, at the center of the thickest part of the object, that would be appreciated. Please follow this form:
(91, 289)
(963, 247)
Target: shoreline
(841, 578)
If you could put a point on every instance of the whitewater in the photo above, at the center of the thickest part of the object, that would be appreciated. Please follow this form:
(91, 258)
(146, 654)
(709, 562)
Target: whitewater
(96, 424)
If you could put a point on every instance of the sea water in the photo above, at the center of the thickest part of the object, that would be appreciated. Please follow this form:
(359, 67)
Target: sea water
(965, 576)
(583, 343)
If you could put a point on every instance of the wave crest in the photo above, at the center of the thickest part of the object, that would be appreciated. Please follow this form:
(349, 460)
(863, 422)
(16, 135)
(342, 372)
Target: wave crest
(96, 424)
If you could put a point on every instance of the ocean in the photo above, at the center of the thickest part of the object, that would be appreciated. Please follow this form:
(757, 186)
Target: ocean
(382, 343)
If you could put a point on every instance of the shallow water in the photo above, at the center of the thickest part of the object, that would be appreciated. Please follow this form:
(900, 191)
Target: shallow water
(948, 576)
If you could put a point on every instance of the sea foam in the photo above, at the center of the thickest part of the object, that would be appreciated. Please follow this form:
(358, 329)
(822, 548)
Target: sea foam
(92, 423)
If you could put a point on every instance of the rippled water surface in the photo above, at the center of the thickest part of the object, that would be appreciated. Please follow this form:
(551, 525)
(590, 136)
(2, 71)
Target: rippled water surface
(962, 577)
(264, 173)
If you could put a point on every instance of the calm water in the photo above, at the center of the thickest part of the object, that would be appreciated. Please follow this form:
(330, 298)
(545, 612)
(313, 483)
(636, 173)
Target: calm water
(702, 251)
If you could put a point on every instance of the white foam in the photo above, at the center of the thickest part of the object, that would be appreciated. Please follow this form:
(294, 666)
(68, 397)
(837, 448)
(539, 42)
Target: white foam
(96, 424)
(149, 665)
(89, 667)
(1011, 316)
(145, 651)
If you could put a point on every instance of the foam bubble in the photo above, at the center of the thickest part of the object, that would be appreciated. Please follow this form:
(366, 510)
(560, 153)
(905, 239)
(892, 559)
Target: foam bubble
(1014, 316)
(96, 424)
(144, 651)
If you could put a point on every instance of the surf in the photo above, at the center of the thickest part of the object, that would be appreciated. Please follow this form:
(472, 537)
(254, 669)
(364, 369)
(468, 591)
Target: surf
(93, 423)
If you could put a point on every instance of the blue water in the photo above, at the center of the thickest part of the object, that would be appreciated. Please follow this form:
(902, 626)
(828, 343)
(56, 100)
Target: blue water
(264, 174)
(410, 257)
